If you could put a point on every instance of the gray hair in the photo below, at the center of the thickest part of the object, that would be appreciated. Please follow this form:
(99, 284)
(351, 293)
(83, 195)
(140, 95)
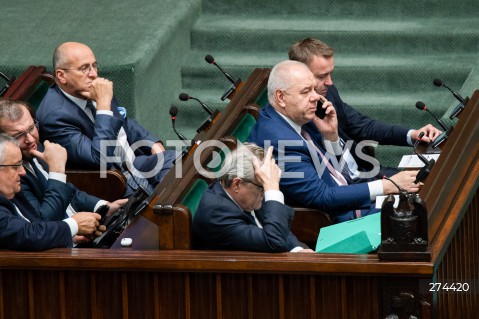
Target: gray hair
(280, 79)
(239, 163)
(11, 110)
(4, 140)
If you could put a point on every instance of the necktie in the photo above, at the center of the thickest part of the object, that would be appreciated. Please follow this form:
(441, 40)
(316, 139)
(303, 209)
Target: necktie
(91, 107)
(331, 169)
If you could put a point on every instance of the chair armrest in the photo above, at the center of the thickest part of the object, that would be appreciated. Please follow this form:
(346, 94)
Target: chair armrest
(110, 188)
(306, 224)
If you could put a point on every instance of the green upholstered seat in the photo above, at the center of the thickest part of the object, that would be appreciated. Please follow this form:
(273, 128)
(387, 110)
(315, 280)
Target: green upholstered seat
(193, 196)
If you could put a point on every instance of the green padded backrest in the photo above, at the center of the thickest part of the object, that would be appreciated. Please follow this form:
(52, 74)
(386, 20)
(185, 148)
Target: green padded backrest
(262, 99)
(193, 197)
(37, 96)
(244, 127)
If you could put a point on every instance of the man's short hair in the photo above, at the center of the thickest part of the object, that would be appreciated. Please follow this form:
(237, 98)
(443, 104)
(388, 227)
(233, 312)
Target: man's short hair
(12, 110)
(280, 78)
(304, 50)
(4, 140)
(239, 163)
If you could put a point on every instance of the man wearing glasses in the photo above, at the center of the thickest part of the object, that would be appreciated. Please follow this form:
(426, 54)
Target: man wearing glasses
(81, 114)
(20, 227)
(245, 209)
(44, 183)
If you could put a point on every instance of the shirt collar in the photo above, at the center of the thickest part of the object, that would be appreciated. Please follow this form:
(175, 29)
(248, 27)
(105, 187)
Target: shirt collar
(294, 125)
(80, 102)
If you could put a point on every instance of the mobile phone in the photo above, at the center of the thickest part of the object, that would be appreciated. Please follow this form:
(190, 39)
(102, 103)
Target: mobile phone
(320, 112)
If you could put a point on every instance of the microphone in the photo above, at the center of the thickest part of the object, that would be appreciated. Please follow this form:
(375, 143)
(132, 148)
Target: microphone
(124, 165)
(173, 113)
(186, 97)
(447, 130)
(8, 83)
(460, 106)
(463, 101)
(236, 82)
(421, 106)
(424, 171)
(211, 60)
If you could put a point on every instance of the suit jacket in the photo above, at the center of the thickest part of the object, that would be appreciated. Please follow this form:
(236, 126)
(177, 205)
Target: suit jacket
(41, 196)
(314, 190)
(63, 122)
(18, 234)
(220, 224)
(355, 126)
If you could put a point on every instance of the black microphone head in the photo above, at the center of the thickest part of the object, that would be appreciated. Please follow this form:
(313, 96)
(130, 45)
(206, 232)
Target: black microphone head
(437, 82)
(420, 105)
(184, 97)
(209, 59)
(173, 111)
(421, 135)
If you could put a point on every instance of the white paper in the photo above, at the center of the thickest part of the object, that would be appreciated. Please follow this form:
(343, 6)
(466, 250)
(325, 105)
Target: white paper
(413, 161)
(380, 200)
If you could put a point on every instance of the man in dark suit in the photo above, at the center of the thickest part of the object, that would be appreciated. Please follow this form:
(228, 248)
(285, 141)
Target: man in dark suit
(82, 115)
(245, 210)
(352, 125)
(308, 149)
(45, 167)
(20, 226)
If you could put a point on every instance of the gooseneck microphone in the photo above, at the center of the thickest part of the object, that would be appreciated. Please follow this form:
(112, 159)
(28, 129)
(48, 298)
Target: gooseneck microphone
(447, 130)
(460, 106)
(421, 106)
(401, 190)
(186, 97)
(424, 171)
(236, 82)
(173, 113)
(440, 83)
(211, 60)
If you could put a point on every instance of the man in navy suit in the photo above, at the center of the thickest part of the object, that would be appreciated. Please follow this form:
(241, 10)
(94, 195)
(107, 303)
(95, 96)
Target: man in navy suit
(45, 167)
(20, 226)
(308, 149)
(82, 115)
(245, 210)
(352, 125)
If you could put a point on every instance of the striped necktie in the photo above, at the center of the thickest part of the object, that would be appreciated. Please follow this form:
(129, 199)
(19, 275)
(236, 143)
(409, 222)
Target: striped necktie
(330, 167)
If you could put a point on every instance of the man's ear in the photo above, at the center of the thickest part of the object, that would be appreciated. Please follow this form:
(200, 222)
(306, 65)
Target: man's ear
(279, 95)
(235, 184)
(60, 76)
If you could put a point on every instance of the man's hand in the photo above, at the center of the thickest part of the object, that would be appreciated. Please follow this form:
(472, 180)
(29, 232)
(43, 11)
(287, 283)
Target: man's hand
(101, 91)
(157, 148)
(114, 206)
(430, 133)
(89, 224)
(329, 125)
(404, 179)
(54, 155)
(267, 173)
(306, 250)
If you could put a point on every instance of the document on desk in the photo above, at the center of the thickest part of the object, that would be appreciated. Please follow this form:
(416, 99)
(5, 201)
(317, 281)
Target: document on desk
(357, 236)
(413, 161)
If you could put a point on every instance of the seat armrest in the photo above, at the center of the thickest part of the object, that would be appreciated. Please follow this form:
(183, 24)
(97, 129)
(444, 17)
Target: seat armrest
(306, 224)
(110, 188)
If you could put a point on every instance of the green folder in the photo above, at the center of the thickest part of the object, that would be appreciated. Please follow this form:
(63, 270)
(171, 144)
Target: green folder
(358, 236)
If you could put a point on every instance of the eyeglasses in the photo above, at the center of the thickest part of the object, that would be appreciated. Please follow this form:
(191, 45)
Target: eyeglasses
(16, 166)
(21, 136)
(257, 185)
(85, 69)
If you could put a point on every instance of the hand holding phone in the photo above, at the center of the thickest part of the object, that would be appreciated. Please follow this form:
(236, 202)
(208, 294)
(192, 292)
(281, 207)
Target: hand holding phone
(320, 112)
